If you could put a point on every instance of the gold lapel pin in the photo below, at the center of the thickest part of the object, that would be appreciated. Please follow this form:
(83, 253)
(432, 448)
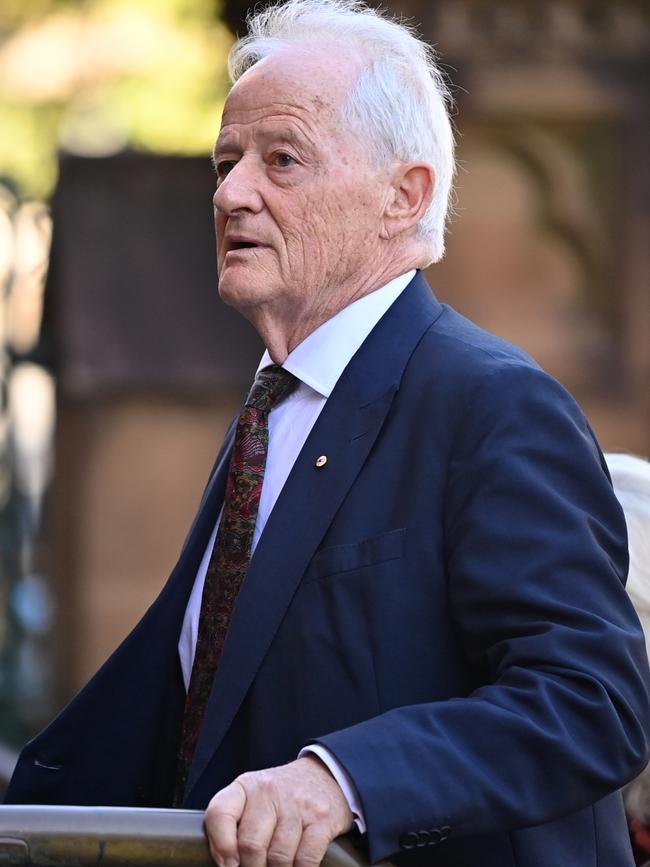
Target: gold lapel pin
(321, 461)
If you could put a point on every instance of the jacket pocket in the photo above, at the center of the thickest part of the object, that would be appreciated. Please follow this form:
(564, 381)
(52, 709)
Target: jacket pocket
(350, 557)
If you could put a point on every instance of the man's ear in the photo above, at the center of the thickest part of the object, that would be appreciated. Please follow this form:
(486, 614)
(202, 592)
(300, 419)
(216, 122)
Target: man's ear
(409, 196)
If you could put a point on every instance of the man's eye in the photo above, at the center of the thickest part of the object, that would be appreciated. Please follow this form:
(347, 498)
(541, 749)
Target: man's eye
(283, 160)
(223, 167)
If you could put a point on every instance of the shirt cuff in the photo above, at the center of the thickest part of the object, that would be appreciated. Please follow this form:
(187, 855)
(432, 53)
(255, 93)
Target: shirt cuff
(342, 778)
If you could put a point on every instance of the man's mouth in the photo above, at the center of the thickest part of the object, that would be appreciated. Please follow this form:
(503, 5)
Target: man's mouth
(241, 243)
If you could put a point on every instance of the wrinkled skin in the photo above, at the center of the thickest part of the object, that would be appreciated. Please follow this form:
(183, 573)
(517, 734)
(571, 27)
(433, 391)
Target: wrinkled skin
(294, 181)
(280, 816)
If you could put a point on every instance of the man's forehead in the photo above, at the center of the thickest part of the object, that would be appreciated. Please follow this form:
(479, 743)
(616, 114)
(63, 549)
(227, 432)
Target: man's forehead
(277, 124)
(294, 79)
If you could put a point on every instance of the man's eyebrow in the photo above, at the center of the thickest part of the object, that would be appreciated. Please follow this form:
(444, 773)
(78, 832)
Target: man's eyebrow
(293, 135)
(220, 145)
(290, 135)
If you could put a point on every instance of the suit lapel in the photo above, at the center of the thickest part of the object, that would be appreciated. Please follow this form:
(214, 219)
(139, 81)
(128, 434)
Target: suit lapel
(345, 432)
(213, 495)
(176, 592)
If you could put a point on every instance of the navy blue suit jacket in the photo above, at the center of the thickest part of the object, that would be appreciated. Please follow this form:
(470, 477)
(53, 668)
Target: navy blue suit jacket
(441, 605)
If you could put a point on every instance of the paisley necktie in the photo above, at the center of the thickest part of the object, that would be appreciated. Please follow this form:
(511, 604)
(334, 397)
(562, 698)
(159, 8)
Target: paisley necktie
(231, 553)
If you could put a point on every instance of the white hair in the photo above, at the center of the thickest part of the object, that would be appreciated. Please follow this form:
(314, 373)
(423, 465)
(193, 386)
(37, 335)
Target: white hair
(631, 480)
(400, 102)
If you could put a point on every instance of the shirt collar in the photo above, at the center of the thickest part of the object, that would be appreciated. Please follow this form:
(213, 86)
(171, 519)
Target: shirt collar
(324, 354)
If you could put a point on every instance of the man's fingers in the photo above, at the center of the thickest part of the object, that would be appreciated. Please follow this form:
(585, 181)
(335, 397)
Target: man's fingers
(285, 842)
(256, 828)
(279, 817)
(313, 846)
(221, 819)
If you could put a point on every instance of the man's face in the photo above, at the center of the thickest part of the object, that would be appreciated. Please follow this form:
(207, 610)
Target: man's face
(297, 206)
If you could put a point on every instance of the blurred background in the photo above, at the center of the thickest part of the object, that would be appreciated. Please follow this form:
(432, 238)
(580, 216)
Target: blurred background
(119, 367)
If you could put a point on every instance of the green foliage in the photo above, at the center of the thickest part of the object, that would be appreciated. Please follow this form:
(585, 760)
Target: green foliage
(97, 76)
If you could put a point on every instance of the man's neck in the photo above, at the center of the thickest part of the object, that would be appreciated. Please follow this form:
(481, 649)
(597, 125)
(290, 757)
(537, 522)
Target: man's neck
(283, 329)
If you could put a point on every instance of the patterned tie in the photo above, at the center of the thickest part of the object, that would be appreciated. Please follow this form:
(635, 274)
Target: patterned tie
(231, 553)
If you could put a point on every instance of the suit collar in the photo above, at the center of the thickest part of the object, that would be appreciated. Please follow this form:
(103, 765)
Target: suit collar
(345, 431)
(324, 354)
(381, 360)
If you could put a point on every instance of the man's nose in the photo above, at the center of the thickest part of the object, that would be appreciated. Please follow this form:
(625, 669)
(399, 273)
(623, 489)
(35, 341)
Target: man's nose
(238, 190)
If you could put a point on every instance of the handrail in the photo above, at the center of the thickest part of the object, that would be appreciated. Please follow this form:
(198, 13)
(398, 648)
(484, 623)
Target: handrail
(36, 836)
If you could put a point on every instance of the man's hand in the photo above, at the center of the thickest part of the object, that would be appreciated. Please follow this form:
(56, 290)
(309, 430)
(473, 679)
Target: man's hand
(278, 817)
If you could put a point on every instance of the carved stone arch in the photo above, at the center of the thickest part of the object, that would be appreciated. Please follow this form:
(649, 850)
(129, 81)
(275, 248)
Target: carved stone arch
(568, 207)
(528, 250)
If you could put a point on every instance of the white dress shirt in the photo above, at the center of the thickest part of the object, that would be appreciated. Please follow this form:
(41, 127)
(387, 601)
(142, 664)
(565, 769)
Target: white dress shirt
(317, 363)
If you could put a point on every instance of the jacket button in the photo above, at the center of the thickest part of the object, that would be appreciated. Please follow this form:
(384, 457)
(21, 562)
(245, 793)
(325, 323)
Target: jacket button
(445, 832)
(435, 836)
(424, 839)
(409, 840)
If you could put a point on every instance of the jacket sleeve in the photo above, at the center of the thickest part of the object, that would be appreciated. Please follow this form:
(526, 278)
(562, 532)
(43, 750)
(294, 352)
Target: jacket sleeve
(536, 557)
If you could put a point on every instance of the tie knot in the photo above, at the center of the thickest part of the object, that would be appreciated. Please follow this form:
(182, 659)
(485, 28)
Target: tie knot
(271, 385)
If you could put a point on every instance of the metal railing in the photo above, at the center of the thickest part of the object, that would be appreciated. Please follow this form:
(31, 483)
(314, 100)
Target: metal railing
(32, 836)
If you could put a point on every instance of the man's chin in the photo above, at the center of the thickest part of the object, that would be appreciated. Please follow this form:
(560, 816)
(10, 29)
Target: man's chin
(241, 291)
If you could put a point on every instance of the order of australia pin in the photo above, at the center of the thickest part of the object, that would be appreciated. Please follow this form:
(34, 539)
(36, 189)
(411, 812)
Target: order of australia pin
(321, 461)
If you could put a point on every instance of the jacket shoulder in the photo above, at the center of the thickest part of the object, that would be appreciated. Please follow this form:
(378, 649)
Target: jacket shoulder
(470, 349)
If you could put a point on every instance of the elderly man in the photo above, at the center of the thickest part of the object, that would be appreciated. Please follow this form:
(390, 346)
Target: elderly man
(401, 605)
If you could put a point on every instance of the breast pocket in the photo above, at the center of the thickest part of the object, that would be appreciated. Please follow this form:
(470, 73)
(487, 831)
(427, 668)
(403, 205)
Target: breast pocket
(351, 557)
